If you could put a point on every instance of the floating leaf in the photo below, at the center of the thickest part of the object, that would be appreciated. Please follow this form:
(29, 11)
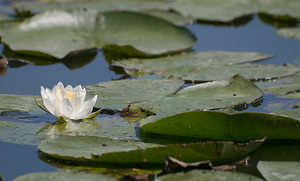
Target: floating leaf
(105, 151)
(210, 65)
(222, 126)
(83, 29)
(279, 170)
(159, 95)
(60, 176)
(289, 32)
(119, 94)
(287, 88)
(17, 102)
(216, 10)
(208, 176)
(20, 133)
(211, 95)
(220, 11)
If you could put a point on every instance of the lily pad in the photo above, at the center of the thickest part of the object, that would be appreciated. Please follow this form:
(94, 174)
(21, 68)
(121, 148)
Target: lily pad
(17, 102)
(20, 133)
(286, 87)
(159, 95)
(211, 65)
(208, 175)
(289, 32)
(85, 29)
(97, 150)
(220, 11)
(216, 10)
(279, 170)
(211, 95)
(222, 126)
(119, 94)
(61, 176)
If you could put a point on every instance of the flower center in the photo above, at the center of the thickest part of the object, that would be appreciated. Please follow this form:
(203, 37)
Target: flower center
(71, 94)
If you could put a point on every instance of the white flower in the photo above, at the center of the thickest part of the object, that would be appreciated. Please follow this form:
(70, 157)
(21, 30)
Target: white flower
(67, 102)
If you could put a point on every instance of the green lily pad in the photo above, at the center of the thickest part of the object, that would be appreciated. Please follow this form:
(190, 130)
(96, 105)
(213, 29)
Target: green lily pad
(159, 95)
(289, 32)
(220, 11)
(211, 95)
(216, 10)
(211, 65)
(279, 170)
(105, 151)
(222, 126)
(208, 175)
(23, 103)
(286, 87)
(62, 176)
(20, 133)
(84, 29)
(119, 94)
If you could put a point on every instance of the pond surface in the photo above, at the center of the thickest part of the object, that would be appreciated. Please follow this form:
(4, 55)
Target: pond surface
(254, 36)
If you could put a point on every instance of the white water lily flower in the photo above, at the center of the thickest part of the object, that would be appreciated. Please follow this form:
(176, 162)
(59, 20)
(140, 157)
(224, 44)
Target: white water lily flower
(67, 102)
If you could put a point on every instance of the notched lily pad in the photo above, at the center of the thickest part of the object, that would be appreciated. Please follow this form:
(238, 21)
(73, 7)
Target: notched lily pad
(86, 29)
(96, 151)
(222, 126)
(289, 32)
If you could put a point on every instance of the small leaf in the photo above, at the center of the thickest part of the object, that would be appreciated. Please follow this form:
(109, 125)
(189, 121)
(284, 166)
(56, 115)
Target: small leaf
(279, 170)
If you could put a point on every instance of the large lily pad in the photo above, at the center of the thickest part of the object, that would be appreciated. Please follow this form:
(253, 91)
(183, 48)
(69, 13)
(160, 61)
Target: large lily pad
(208, 175)
(161, 95)
(221, 11)
(211, 65)
(222, 126)
(105, 151)
(78, 30)
(119, 94)
(63, 176)
(279, 170)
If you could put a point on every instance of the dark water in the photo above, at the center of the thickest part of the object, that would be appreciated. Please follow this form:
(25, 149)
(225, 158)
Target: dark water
(255, 36)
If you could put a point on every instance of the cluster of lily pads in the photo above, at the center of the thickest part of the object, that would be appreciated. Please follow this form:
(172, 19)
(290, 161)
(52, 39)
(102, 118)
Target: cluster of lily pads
(179, 103)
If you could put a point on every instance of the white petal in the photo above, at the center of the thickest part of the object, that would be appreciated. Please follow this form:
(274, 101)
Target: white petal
(66, 108)
(49, 105)
(44, 93)
(60, 86)
(86, 109)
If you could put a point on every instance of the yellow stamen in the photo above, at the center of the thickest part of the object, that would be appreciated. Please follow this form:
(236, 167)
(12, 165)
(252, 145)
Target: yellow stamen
(71, 94)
